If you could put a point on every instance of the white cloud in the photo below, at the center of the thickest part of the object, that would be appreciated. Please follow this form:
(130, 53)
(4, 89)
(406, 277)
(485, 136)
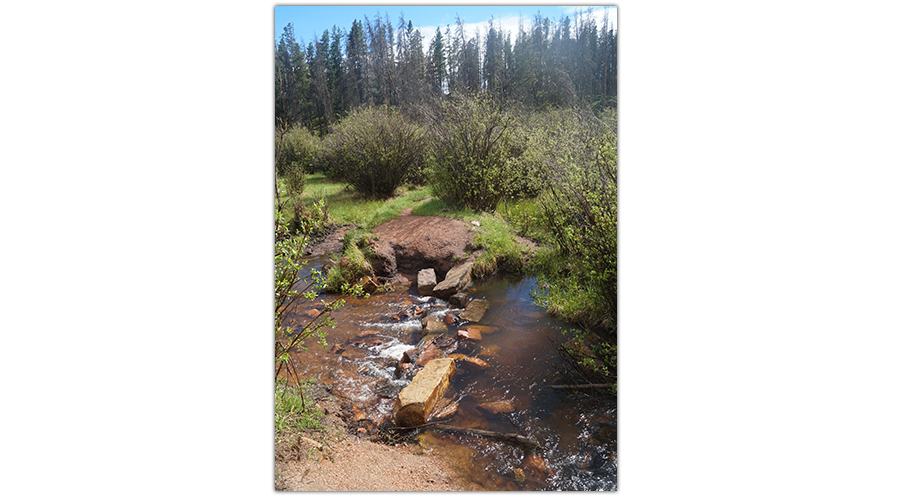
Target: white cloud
(510, 24)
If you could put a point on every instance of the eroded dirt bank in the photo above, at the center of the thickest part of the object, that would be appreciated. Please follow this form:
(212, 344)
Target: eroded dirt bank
(350, 461)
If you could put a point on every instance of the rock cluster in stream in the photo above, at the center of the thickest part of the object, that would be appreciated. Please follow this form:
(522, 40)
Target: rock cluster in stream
(435, 333)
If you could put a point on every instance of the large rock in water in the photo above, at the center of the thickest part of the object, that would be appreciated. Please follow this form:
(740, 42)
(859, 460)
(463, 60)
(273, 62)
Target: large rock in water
(432, 324)
(457, 278)
(475, 310)
(417, 400)
(426, 281)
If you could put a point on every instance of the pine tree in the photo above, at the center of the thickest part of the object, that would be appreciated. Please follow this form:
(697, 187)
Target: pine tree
(357, 61)
(437, 68)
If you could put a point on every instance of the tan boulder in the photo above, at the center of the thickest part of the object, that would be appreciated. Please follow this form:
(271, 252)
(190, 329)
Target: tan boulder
(432, 324)
(456, 278)
(475, 310)
(417, 400)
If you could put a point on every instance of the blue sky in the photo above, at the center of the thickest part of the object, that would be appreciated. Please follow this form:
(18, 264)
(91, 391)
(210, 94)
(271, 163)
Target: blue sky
(310, 21)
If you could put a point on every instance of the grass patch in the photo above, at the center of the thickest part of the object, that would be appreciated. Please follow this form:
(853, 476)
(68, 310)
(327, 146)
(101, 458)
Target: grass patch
(355, 262)
(563, 291)
(290, 415)
(526, 217)
(346, 207)
(501, 250)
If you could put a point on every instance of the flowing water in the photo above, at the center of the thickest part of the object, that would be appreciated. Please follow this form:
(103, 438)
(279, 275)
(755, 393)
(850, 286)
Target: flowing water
(577, 433)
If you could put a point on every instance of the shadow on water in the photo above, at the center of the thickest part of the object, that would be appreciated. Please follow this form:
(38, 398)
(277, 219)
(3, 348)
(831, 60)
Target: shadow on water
(577, 433)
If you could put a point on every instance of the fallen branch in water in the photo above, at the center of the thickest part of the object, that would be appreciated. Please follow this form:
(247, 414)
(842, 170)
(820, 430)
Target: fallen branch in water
(515, 438)
(581, 386)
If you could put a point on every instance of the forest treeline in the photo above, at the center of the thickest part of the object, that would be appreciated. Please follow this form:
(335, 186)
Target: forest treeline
(568, 62)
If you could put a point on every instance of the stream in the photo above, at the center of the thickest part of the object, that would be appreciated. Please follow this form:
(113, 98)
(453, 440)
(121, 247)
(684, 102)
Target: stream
(578, 434)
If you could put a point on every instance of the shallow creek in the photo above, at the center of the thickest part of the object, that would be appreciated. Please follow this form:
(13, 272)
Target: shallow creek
(577, 434)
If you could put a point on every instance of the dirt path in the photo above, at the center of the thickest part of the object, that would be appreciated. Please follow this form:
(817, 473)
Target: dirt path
(352, 462)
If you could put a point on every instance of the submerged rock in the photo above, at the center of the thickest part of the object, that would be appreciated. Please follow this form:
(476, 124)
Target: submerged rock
(471, 334)
(475, 310)
(483, 329)
(496, 407)
(489, 351)
(431, 352)
(417, 400)
(445, 408)
(519, 475)
(475, 363)
(402, 368)
(536, 466)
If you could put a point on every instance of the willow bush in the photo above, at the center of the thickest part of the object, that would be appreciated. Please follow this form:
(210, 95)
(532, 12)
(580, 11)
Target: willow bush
(580, 207)
(375, 150)
(298, 151)
(478, 154)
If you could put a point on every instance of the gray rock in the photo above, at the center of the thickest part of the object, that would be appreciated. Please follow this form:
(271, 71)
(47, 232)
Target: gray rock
(426, 281)
(457, 278)
(458, 299)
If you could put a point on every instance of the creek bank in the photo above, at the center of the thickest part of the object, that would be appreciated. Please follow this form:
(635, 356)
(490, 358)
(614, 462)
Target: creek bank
(341, 457)
(411, 243)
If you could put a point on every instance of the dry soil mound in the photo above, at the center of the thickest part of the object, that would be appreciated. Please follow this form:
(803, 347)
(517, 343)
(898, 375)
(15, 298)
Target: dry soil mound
(411, 242)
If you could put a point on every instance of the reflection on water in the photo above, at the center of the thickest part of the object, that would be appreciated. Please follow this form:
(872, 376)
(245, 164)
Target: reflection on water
(577, 434)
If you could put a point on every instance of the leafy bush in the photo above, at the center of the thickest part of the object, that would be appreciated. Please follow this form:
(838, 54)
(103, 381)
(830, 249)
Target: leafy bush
(298, 153)
(579, 158)
(375, 150)
(477, 154)
(311, 219)
(290, 287)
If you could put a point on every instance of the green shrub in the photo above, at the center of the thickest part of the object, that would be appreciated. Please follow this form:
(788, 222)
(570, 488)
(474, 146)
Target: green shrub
(375, 150)
(477, 155)
(310, 220)
(579, 159)
(354, 264)
(299, 151)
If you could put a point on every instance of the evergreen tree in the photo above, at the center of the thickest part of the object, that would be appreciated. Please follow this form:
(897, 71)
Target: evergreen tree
(357, 62)
(437, 68)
